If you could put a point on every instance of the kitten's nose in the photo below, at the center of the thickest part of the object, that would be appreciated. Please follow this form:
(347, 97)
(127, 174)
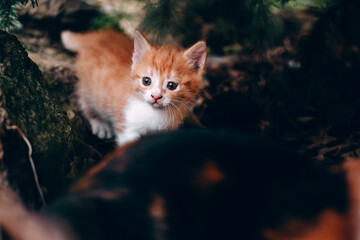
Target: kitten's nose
(156, 97)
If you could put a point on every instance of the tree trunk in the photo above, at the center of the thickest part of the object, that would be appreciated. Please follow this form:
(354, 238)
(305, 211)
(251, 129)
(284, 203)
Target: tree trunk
(25, 98)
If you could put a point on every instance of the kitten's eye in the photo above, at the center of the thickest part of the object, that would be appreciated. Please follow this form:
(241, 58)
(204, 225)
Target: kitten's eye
(172, 86)
(146, 81)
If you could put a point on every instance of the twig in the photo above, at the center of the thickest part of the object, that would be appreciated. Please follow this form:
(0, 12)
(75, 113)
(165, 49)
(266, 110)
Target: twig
(89, 147)
(14, 127)
(292, 123)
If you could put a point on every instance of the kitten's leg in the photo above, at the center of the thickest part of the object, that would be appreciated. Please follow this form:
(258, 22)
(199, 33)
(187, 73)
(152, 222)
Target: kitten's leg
(99, 127)
(126, 136)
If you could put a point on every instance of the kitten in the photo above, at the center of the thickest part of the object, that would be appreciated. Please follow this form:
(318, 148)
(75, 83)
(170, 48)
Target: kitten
(195, 185)
(131, 86)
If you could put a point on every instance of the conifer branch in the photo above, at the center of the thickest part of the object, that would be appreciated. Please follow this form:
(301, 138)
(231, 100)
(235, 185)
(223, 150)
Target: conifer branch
(161, 18)
(232, 22)
(8, 13)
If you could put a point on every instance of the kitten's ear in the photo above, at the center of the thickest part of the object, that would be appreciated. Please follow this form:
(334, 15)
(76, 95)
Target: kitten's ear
(196, 55)
(141, 45)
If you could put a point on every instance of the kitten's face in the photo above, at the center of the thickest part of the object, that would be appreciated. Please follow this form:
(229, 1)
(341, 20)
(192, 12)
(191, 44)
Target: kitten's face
(165, 76)
(160, 89)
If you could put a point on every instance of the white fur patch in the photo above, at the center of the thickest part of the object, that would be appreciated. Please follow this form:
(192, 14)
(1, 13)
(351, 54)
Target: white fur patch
(154, 88)
(141, 119)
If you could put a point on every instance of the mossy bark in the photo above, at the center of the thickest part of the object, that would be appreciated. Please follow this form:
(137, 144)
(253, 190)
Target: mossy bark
(25, 97)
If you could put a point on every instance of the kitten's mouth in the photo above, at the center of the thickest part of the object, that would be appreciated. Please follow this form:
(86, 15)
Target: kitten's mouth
(156, 104)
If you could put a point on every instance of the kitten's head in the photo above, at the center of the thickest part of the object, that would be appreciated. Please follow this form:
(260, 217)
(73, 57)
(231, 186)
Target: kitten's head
(166, 76)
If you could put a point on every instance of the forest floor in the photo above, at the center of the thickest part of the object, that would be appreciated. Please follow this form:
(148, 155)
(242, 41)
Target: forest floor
(243, 92)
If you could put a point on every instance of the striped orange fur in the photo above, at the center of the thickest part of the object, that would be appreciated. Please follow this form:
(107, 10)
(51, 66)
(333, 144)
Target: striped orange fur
(111, 92)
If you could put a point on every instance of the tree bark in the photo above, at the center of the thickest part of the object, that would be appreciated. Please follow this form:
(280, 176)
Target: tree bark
(25, 97)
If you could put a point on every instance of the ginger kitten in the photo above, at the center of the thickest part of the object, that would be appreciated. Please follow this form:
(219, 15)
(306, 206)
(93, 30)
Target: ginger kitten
(131, 87)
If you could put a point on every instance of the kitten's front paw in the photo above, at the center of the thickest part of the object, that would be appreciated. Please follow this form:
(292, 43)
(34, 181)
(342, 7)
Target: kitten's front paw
(101, 129)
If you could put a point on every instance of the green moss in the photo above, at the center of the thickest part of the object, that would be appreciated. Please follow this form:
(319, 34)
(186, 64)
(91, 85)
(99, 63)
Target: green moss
(29, 105)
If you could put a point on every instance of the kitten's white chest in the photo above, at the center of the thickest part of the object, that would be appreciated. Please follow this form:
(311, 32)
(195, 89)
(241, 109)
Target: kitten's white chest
(141, 118)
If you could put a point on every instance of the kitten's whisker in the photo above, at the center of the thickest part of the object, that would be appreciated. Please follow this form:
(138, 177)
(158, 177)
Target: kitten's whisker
(186, 107)
(172, 114)
(179, 110)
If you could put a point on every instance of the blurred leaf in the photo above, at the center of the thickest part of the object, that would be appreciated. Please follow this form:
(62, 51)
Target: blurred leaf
(233, 48)
(108, 21)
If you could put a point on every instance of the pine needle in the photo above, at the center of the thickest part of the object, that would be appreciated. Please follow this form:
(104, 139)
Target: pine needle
(9, 12)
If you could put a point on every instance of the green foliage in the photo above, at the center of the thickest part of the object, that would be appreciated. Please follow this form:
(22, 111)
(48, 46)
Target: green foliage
(8, 13)
(108, 21)
(264, 28)
(8, 17)
(232, 49)
(250, 23)
(321, 4)
(89, 1)
(230, 22)
(162, 17)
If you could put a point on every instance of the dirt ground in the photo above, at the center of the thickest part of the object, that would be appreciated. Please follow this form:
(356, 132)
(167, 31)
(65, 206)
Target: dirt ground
(291, 94)
(237, 96)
